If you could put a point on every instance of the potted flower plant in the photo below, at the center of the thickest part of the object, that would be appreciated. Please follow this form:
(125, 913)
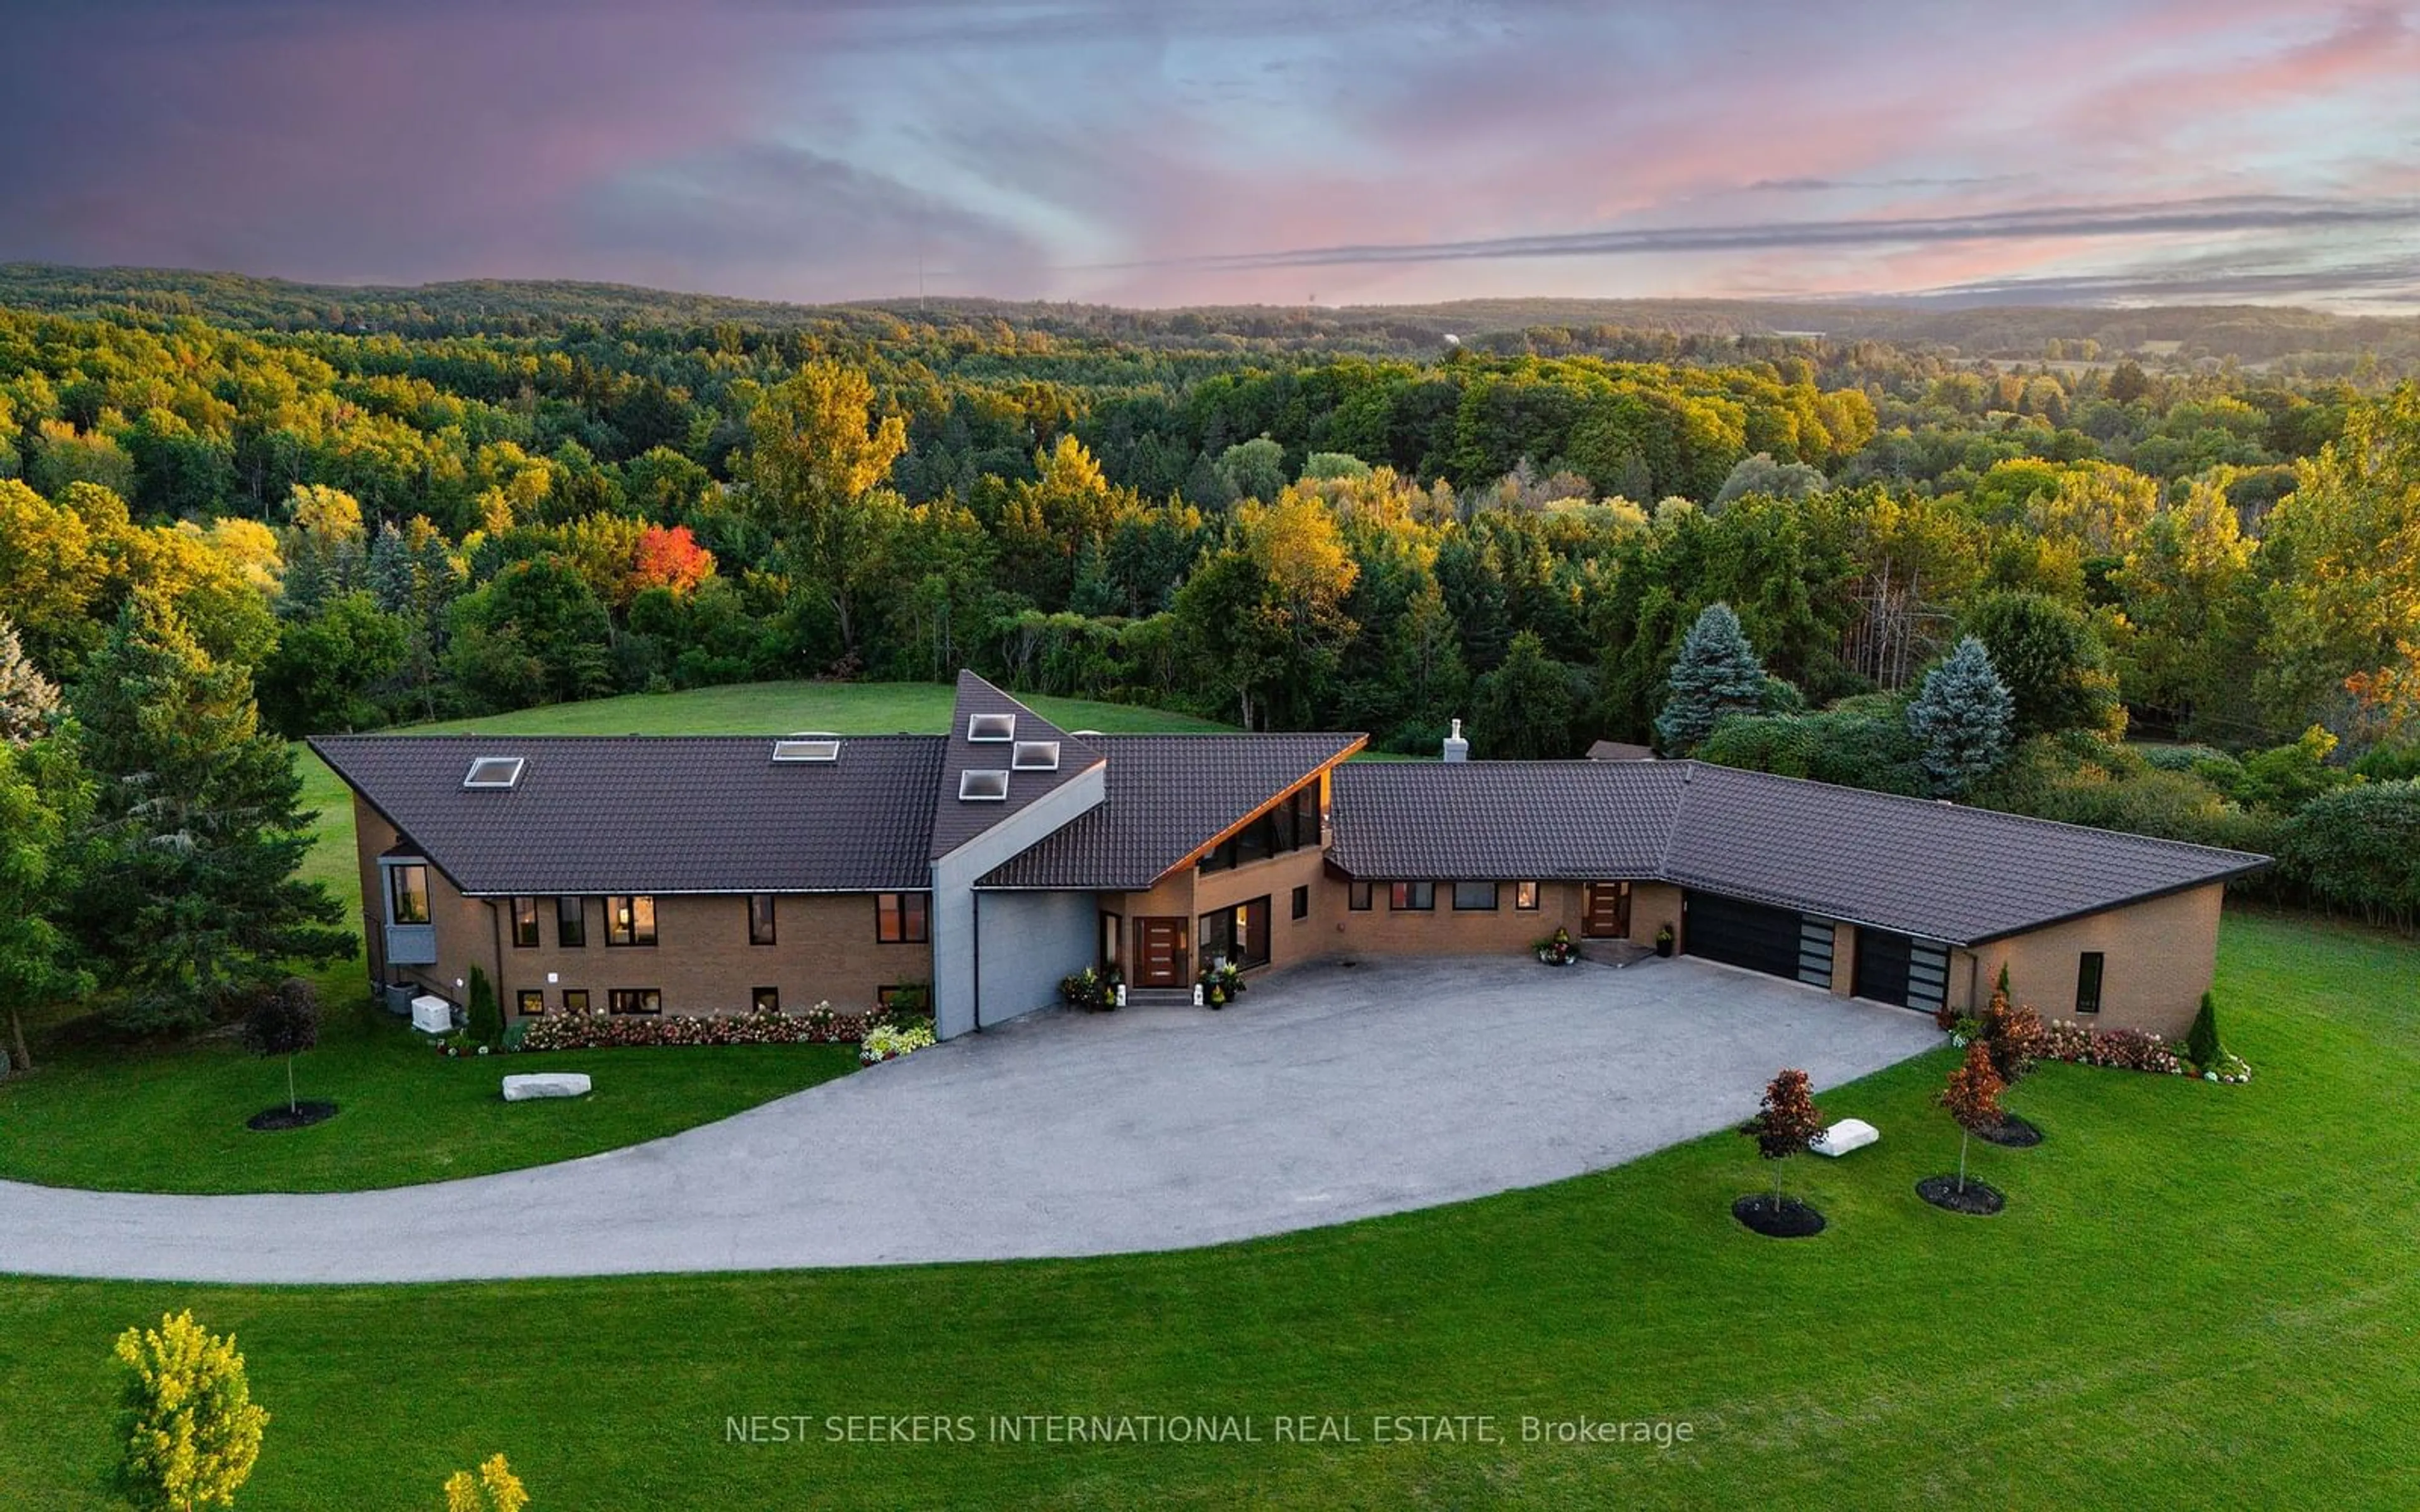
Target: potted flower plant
(1664, 940)
(1556, 948)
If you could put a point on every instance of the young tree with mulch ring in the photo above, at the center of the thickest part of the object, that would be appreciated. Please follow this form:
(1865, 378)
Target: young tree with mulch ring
(284, 1021)
(1786, 1121)
(1973, 1098)
(2015, 1039)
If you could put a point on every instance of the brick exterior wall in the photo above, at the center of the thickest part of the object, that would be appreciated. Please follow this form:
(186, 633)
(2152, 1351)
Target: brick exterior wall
(2158, 957)
(825, 947)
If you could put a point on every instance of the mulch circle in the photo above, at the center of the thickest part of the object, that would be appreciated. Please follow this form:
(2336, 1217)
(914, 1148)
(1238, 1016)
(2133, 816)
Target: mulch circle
(1977, 1199)
(2013, 1133)
(1789, 1218)
(300, 1116)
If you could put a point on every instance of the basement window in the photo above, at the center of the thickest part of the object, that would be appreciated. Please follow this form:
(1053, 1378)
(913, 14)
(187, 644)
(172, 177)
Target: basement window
(983, 786)
(807, 748)
(1036, 756)
(991, 727)
(494, 772)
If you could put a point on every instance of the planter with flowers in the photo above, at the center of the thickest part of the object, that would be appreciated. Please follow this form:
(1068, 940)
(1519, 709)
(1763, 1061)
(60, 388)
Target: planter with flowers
(1556, 950)
(1092, 989)
(1223, 980)
(1664, 940)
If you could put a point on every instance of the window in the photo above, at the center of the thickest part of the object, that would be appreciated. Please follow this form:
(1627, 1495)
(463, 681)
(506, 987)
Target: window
(760, 919)
(2087, 982)
(1034, 756)
(1411, 897)
(570, 922)
(635, 1000)
(976, 785)
(1302, 903)
(524, 923)
(1239, 935)
(765, 1000)
(1357, 897)
(500, 772)
(807, 748)
(1114, 933)
(991, 727)
(533, 1002)
(900, 917)
(1474, 897)
(408, 894)
(904, 997)
(1293, 825)
(575, 999)
(630, 921)
(1525, 896)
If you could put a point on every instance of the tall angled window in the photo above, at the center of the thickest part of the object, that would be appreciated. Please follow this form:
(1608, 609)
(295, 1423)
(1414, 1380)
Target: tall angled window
(408, 894)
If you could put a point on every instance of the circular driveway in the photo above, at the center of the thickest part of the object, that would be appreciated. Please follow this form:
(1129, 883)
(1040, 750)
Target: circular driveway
(1327, 1094)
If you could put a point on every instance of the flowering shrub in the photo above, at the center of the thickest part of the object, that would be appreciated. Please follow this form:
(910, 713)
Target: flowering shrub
(599, 1030)
(1556, 948)
(889, 1041)
(2123, 1049)
(1090, 988)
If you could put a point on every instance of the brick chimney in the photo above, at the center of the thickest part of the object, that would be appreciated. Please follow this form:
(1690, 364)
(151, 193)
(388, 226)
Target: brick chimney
(1457, 748)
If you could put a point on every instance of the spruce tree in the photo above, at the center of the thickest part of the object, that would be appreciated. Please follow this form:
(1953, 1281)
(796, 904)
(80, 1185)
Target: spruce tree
(1717, 673)
(1962, 715)
(192, 898)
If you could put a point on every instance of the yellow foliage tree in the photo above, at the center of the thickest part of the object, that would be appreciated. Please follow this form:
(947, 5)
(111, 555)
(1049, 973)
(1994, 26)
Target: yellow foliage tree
(190, 1430)
(495, 1489)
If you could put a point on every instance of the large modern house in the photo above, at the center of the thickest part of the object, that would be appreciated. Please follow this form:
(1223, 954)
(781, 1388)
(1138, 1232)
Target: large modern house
(717, 875)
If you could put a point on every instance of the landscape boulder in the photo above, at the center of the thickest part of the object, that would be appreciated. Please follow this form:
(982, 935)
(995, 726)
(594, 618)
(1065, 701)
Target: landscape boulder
(1844, 1136)
(545, 1084)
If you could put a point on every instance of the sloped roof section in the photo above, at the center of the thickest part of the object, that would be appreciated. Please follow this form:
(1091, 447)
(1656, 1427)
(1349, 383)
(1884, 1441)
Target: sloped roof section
(1535, 821)
(1167, 796)
(955, 821)
(596, 814)
(1938, 870)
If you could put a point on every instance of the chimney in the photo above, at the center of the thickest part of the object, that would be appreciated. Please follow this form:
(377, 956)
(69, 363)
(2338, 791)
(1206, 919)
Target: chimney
(1457, 748)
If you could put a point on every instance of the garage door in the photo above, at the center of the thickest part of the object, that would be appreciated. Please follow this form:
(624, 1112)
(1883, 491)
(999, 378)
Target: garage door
(1775, 941)
(1893, 969)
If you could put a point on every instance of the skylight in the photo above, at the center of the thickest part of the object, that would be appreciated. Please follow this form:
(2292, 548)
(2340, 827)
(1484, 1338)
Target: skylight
(811, 747)
(494, 772)
(981, 785)
(1036, 756)
(991, 727)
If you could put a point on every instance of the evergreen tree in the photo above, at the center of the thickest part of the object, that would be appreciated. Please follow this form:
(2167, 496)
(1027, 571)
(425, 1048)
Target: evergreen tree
(27, 699)
(190, 898)
(188, 1422)
(1962, 715)
(390, 570)
(1525, 705)
(1717, 673)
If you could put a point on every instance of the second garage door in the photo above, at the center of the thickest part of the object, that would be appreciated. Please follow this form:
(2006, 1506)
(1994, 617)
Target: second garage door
(1775, 941)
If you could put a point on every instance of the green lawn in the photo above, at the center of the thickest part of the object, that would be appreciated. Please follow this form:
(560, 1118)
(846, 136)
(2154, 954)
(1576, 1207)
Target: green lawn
(171, 1119)
(2199, 1296)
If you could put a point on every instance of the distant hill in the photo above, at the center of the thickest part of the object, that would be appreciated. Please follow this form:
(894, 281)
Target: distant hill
(537, 308)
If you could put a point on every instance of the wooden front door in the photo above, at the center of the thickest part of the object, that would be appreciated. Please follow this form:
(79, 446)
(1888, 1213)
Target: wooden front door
(1160, 957)
(1608, 917)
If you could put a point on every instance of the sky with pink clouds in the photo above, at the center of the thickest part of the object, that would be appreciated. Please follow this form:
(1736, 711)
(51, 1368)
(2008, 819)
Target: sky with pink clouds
(1246, 150)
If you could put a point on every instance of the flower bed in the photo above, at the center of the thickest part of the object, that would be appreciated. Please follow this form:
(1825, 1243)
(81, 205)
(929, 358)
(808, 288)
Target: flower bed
(599, 1030)
(889, 1041)
(2122, 1049)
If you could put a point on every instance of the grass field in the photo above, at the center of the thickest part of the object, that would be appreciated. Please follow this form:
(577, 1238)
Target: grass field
(171, 1118)
(2199, 1296)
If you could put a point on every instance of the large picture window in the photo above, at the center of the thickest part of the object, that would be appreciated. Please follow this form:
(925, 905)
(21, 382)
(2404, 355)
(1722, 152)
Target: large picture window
(1474, 897)
(407, 894)
(1239, 935)
(1411, 897)
(525, 923)
(630, 919)
(1293, 825)
(902, 917)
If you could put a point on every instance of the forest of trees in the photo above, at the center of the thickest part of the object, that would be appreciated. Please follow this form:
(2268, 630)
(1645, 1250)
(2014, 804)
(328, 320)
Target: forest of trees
(381, 528)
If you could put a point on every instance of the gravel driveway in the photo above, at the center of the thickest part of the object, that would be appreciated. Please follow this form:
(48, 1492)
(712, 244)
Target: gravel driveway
(1328, 1093)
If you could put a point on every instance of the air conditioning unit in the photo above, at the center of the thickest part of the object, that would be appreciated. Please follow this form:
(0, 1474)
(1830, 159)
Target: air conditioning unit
(431, 1014)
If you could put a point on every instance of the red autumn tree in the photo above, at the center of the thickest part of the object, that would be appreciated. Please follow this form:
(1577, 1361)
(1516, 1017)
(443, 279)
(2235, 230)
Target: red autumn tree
(1785, 1121)
(1973, 1098)
(670, 558)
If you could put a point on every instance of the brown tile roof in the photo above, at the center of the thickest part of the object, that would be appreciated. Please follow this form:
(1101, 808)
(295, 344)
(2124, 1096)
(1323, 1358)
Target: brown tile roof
(955, 820)
(1618, 750)
(1167, 796)
(636, 813)
(1936, 870)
